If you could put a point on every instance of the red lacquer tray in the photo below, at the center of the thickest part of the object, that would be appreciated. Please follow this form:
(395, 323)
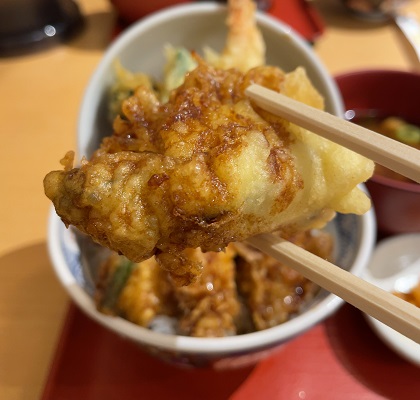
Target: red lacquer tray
(338, 359)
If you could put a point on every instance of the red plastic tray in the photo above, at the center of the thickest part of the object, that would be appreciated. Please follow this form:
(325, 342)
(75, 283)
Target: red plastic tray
(338, 359)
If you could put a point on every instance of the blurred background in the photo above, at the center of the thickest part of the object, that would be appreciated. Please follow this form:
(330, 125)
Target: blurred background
(48, 51)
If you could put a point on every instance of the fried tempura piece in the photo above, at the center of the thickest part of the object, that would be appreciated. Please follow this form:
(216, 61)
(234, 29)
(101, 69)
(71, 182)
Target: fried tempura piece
(240, 290)
(210, 306)
(272, 291)
(206, 169)
(147, 293)
(245, 47)
(125, 84)
(413, 296)
(137, 292)
(141, 292)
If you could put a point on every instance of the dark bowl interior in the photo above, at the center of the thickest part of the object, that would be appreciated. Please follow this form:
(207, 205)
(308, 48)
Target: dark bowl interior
(390, 92)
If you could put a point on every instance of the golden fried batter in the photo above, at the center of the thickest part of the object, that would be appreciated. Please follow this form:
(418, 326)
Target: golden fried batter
(273, 291)
(239, 291)
(210, 306)
(147, 293)
(180, 185)
(207, 167)
(245, 47)
(203, 170)
(207, 308)
(138, 292)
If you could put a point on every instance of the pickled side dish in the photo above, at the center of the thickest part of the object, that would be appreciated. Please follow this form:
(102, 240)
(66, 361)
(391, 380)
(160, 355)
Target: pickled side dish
(395, 128)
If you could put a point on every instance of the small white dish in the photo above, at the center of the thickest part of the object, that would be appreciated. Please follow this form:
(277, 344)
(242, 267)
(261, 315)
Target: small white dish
(395, 266)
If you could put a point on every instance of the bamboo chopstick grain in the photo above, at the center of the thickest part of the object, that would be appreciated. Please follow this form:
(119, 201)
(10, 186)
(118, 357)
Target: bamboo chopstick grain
(384, 306)
(390, 153)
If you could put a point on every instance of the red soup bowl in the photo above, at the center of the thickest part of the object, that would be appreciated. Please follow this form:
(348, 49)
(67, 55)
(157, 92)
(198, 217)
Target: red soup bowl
(387, 93)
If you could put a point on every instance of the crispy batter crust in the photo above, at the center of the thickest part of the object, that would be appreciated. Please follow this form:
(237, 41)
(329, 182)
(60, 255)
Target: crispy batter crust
(207, 167)
(239, 291)
(273, 291)
(185, 174)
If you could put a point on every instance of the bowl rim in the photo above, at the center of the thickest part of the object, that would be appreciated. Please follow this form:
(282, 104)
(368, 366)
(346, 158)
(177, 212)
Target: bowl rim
(185, 344)
(375, 71)
(411, 187)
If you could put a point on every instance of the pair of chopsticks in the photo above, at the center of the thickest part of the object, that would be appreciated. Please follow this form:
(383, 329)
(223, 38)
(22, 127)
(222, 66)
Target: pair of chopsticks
(374, 301)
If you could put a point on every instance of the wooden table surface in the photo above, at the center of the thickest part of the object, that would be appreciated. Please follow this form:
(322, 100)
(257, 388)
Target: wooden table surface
(40, 101)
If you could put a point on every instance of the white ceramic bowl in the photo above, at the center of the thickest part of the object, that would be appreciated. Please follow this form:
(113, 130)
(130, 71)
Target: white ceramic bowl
(395, 266)
(140, 48)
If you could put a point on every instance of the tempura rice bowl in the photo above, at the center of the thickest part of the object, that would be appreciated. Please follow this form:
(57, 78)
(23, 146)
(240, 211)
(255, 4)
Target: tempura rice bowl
(140, 48)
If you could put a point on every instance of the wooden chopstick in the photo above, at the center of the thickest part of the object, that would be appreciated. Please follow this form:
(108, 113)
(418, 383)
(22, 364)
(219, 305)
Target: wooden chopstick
(378, 303)
(390, 153)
